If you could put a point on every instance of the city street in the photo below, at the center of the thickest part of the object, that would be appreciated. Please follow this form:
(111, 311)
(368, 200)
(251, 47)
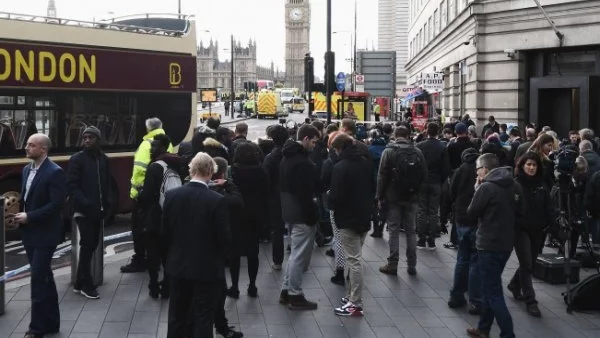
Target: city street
(256, 128)
(16, 257)
(15, 252)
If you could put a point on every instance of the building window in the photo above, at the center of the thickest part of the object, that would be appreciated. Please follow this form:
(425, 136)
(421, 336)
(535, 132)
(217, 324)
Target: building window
(451, 8)
(426, 31)
(436, 18)
(443, 14)
(431, 29)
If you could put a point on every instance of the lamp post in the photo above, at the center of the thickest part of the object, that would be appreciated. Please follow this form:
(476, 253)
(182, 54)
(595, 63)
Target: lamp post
(179, 9)
(232, 93)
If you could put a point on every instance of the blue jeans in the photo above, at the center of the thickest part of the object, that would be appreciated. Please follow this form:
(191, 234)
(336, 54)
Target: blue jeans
(302, 241)
(466, 272)
(491, 265)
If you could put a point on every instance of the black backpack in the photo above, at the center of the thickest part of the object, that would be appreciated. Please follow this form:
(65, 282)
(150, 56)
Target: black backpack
(408, 172)
(585, 295)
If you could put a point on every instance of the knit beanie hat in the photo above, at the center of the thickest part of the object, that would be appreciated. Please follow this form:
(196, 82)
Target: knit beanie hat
(94, 131)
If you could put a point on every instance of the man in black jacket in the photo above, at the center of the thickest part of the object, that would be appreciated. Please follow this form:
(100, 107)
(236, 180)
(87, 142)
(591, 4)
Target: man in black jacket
(350, 199)
(271, 166)
(497, 205)
(466, 273)
(89, 184)
(149, 202)
(195, 231)
(297, 185)
(436, 156)
(401, 209)
(458, 145)
(491, 125)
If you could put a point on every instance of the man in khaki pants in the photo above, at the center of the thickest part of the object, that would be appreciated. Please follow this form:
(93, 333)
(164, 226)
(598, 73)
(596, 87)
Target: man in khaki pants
(350, 199)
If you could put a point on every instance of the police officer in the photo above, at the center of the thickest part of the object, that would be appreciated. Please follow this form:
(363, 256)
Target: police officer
(141, 161)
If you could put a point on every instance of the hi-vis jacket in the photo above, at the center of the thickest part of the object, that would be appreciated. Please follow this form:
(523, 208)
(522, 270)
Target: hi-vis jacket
(141, 160)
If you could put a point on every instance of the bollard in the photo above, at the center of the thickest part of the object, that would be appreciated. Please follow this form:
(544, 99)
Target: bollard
(74, 250)
(2, 257)
(97, 264)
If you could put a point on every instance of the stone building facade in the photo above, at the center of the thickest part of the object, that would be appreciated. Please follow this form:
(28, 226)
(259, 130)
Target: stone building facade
(214, 73)
(504, 58)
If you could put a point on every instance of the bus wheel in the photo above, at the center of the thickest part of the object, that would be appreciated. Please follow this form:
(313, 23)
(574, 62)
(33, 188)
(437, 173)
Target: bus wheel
(11, 191)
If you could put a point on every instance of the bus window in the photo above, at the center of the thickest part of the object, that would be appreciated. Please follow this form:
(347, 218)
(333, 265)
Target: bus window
(420, 111)
(19, 119)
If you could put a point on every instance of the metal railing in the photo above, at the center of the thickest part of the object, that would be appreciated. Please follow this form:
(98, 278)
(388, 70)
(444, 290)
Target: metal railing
(2, 257)
(111, 24)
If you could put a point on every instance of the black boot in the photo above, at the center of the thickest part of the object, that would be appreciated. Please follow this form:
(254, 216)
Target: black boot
(154, 286)
(338, 278)
(165, 288)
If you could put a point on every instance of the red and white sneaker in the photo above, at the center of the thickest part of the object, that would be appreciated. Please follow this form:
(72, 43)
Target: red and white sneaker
(349, 310)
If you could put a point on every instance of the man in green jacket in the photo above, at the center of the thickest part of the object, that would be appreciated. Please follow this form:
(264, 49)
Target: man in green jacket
(141, 160)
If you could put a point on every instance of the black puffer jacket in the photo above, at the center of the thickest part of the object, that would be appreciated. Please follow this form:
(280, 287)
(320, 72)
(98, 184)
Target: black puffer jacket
(253, 184)
(150, 194)
(462, 187)
(498, 206)
(298, 180)
(350, 196)
(436, 156)
(539, 212)
(456, 148)
(271, 166)
(89, 183)
(235, 206)
(216, 149)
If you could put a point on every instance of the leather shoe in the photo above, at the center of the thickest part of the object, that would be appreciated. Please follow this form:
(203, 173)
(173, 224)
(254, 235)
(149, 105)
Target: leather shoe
(475, 333)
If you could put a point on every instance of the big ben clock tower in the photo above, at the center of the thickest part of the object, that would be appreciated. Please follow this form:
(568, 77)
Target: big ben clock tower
(297, 27)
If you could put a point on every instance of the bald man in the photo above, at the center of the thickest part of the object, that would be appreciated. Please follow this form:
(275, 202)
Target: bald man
(43, 194)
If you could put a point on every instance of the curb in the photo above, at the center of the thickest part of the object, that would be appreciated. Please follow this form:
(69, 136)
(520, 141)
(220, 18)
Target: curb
(236, 120)
(66, 270)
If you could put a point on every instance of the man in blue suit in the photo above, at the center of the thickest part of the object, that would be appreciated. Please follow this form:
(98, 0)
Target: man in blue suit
(43, 194)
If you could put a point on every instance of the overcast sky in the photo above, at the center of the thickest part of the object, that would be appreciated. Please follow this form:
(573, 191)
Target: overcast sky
(262, 20)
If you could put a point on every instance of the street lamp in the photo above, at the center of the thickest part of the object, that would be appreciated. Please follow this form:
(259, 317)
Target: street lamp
(232, 94)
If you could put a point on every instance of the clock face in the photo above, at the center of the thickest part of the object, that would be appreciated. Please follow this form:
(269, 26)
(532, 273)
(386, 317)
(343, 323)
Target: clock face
(296, 14)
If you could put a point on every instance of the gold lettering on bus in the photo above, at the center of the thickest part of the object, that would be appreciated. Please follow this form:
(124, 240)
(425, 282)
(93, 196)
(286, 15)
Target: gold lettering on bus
(62, 67)
(6, 56)
(88, 69)
(46, 66)
(25, 66)
(46, 60)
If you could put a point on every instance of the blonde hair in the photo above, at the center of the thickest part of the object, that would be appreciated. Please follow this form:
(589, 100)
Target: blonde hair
(203, 165)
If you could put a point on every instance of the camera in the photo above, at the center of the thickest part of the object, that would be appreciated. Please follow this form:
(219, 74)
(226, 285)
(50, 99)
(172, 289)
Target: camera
(565, 158)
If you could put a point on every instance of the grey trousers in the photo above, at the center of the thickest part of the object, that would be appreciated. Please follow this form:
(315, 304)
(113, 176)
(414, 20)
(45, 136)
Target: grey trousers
(398, 214)
(302, 241)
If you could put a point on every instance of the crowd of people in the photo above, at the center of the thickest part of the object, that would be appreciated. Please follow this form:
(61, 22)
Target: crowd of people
(199, 211)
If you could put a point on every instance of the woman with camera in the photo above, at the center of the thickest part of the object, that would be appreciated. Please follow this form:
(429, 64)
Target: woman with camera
(530, 231)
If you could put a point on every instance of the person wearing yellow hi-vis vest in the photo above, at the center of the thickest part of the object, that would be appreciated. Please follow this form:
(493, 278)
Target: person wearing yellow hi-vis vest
(141, 160)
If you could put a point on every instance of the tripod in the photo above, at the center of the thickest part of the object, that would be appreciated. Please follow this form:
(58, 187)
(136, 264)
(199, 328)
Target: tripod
(565, 229)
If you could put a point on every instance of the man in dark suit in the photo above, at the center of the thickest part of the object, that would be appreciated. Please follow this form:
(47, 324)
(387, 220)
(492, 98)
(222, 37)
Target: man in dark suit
(196, 233)
(43, 195)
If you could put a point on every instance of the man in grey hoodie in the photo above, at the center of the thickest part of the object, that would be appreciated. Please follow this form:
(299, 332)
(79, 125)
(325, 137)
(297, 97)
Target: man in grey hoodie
(497, 205)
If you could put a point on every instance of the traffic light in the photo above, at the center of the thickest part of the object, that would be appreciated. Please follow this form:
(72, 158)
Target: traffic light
(330, 85)
(309, 72)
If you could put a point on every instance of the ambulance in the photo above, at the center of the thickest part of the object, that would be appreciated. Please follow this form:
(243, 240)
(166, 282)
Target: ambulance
(269, 105)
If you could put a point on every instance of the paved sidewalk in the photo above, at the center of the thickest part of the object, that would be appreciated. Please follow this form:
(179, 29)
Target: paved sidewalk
(395, 307)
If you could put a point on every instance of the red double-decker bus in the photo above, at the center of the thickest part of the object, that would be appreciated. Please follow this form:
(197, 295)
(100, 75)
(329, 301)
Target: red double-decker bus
(59, 76)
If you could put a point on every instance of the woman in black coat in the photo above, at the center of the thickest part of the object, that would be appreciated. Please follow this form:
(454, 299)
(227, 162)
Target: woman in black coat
(251, 179)
(529, 235)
